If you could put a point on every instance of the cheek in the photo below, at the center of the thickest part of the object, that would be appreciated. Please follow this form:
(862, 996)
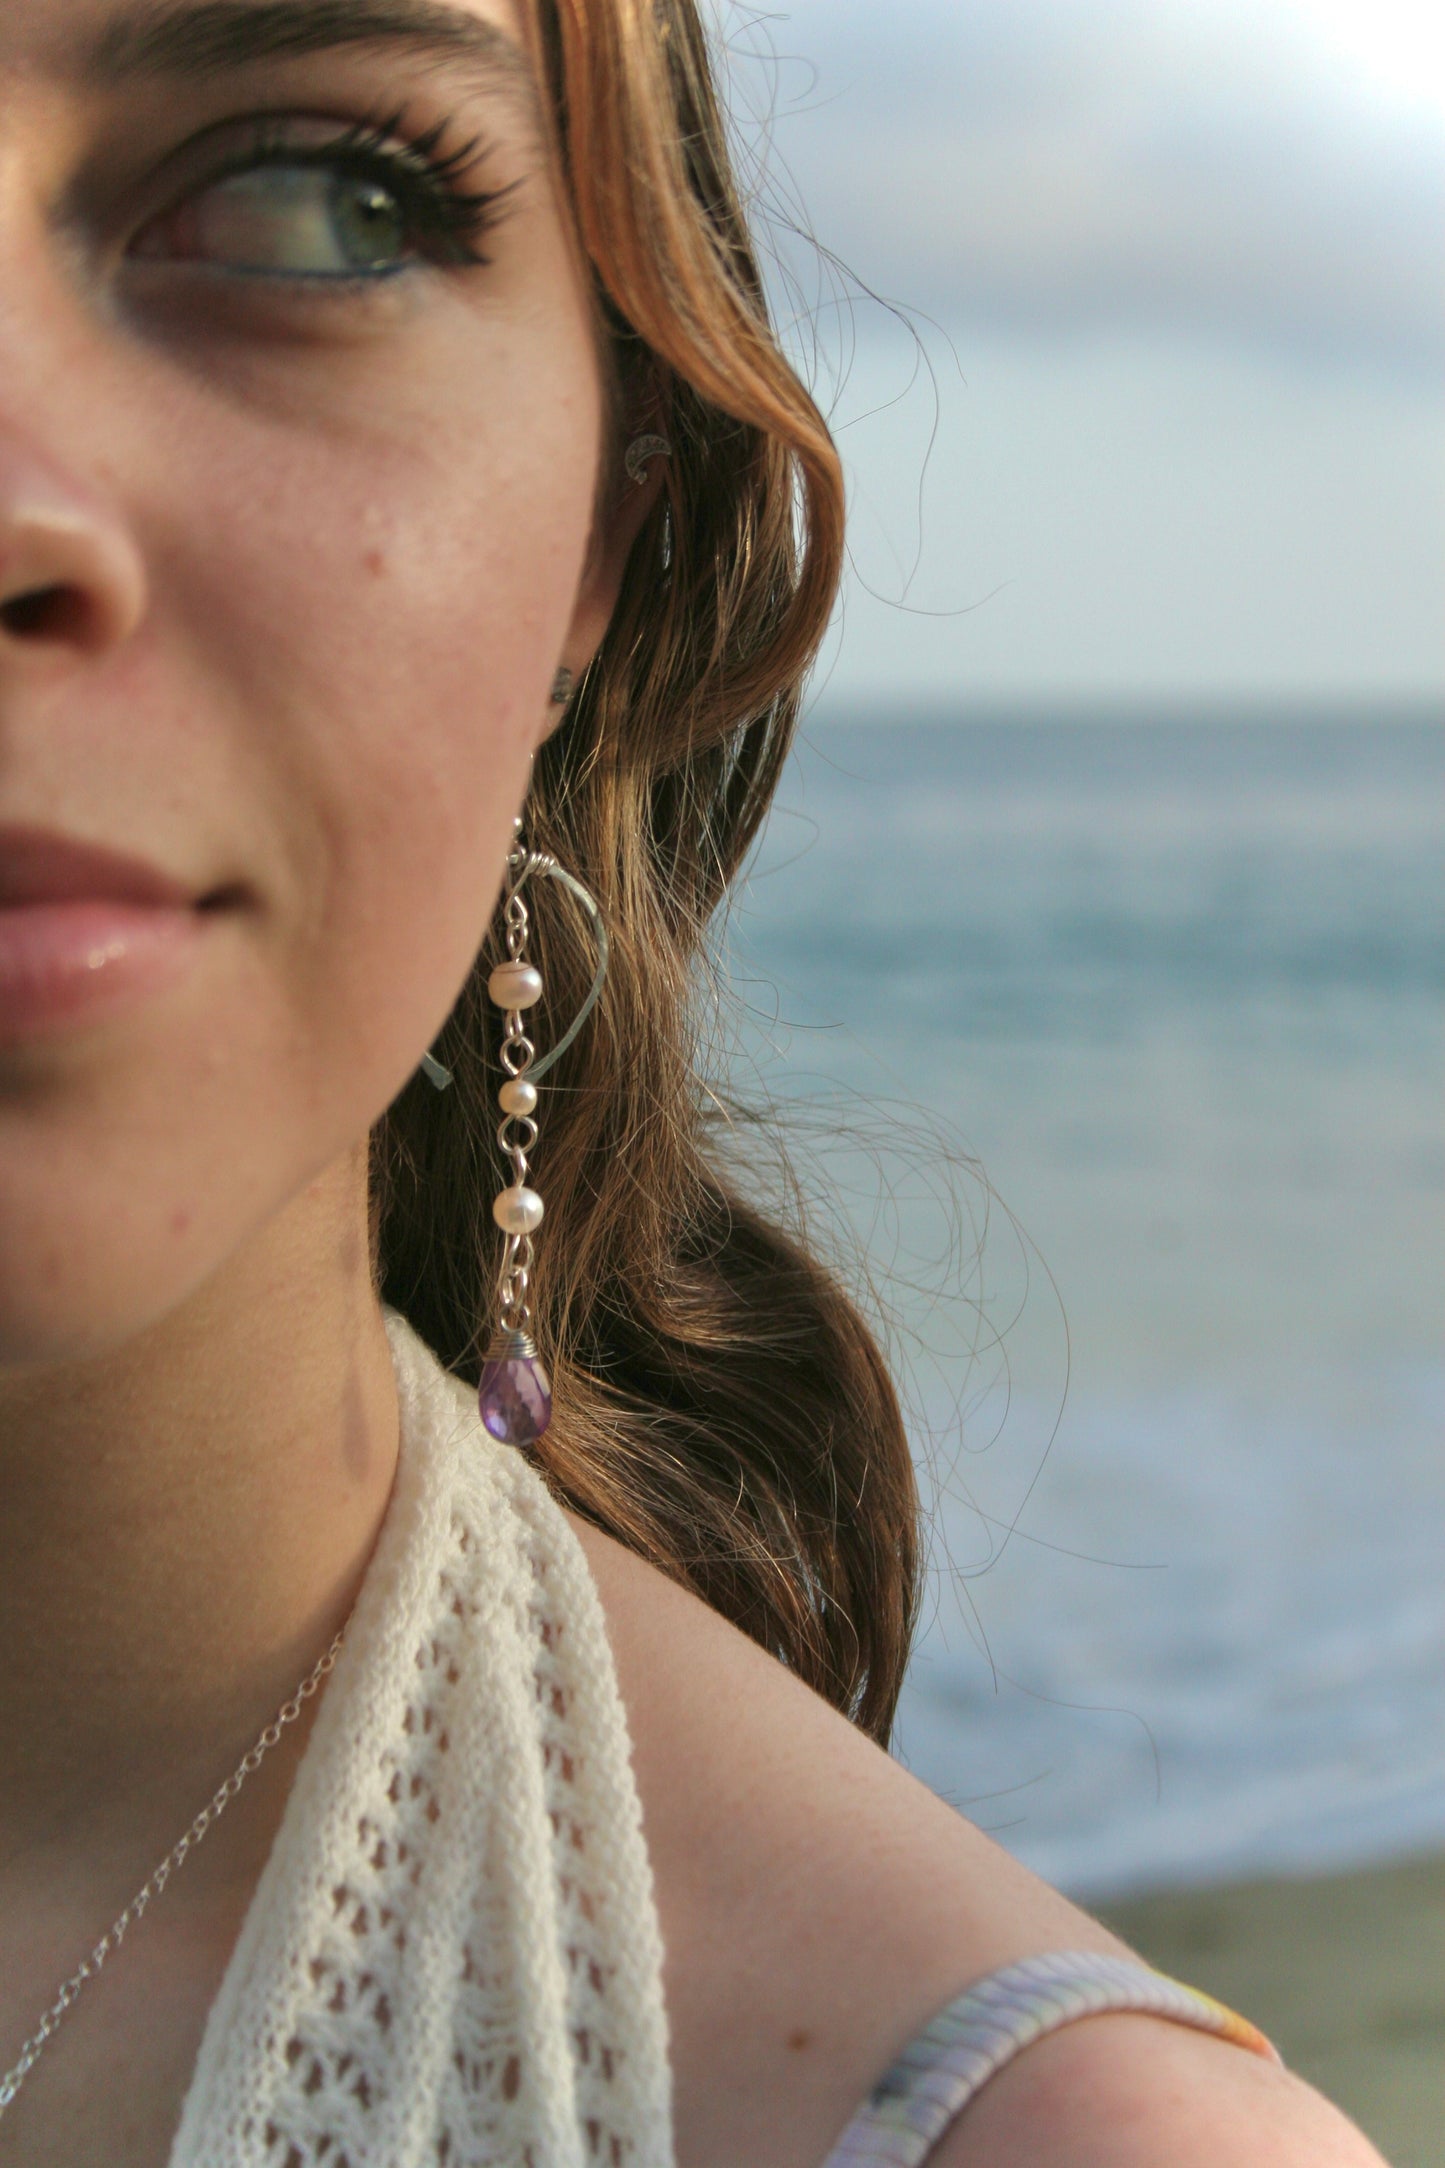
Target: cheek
(364, 565)
(381, 620)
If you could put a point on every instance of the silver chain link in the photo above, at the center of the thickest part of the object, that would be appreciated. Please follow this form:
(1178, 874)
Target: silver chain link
(109, 1942)
(517, 1134)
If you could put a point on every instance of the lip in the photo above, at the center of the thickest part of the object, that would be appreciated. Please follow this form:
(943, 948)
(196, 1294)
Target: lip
(84, 931)
(37, 866)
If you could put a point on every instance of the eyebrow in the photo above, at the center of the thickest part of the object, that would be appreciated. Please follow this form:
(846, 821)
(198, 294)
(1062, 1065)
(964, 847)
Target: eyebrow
(212, 36)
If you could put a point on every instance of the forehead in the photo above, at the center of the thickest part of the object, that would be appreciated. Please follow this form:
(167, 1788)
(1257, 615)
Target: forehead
(104, 43)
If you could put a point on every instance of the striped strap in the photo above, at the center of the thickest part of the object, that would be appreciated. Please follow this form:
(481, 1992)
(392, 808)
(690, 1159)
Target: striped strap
(939, 2072)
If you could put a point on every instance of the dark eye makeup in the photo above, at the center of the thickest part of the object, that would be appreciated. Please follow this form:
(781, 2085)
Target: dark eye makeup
(365, 204)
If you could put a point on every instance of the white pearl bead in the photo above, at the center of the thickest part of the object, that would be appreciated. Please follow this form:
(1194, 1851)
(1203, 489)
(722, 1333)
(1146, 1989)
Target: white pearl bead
(518, 1211)
(518, 1097)
(515, 986)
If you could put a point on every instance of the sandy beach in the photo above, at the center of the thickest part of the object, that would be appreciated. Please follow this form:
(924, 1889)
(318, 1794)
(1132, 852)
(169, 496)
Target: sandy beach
(1346, 1975)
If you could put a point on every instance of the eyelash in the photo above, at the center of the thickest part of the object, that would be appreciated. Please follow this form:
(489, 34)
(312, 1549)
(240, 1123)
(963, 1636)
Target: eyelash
(449, 220)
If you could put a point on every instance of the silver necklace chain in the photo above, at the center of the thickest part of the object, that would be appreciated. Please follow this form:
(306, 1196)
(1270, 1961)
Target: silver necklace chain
(109, 1942)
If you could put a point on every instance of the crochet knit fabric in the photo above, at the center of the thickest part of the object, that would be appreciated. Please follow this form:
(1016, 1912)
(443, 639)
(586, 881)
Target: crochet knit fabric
(452, 1959)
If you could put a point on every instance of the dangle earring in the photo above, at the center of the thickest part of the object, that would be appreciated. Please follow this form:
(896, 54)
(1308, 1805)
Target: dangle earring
(564, 684)
(515, 1394)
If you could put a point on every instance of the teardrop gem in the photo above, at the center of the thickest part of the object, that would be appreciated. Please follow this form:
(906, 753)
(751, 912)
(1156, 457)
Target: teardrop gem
(515, 1399)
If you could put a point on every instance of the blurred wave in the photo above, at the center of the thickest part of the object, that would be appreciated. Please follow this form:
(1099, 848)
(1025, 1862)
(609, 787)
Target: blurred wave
(1179, 987)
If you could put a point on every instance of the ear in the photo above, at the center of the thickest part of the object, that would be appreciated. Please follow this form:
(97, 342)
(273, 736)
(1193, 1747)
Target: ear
(627, 497)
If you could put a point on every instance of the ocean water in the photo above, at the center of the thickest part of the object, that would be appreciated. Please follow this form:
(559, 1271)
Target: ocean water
(1115, 1053)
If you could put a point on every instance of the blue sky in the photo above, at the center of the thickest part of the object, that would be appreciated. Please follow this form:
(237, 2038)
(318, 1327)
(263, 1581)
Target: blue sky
(1167, 422)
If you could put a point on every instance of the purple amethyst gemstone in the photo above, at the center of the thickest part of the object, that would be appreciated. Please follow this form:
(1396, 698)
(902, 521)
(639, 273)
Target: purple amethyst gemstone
(515, 1397)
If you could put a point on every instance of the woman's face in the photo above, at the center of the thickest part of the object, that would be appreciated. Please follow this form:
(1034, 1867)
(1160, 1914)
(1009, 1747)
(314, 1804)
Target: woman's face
(300, 428)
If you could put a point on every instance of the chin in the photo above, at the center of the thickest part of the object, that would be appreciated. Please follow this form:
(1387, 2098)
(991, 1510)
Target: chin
(90, 1266)
(59, 1310)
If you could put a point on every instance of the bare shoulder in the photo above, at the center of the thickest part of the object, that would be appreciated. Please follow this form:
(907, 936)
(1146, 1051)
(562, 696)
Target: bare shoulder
(1133, 2092)
(818, 1906)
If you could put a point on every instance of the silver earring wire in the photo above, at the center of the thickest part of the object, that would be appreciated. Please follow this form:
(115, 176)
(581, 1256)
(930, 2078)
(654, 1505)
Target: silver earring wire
(437, 1074)
(540, 862)
(641, 452)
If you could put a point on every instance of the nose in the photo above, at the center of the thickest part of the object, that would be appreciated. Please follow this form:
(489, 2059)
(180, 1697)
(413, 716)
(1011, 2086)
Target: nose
(71, 576)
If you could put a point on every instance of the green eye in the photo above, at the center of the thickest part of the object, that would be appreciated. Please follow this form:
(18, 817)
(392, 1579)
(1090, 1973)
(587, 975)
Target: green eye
(369, 221)
(364, 206)
(300, 221)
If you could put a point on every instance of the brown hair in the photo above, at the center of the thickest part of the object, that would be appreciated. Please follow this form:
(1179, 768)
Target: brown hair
(720, 1405)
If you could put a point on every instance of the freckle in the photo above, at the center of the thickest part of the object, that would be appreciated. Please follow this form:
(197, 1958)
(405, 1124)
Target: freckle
(797, 2041)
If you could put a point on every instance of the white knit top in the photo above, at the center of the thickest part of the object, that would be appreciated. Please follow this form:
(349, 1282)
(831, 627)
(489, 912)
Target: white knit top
(452, 1958)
